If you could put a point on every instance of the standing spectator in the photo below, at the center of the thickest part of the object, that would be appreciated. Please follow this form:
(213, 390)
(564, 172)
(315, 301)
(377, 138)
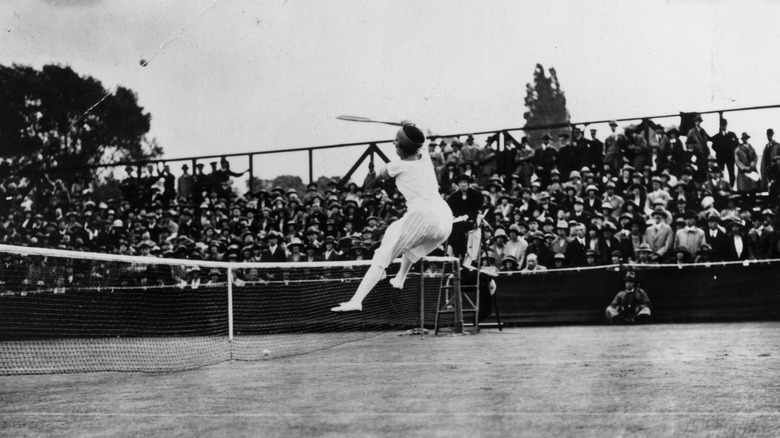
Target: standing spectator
(716, 238)
(746, 160)
(465, 204)
(613, 147)
(185, 183)
(690, 237)
(763, 237)
(595, 153)
(700, 135)
(659, 236)
(437, 158)
(575, 250)
(769, 156)
(525, 160)
(640, 151)
(717, 188)
(725, 143)
(660, 140)
(545, 158)
(567, 155)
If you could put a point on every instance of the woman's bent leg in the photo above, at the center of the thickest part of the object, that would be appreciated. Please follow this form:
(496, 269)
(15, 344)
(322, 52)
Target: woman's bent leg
(400, 278)
(372, 277)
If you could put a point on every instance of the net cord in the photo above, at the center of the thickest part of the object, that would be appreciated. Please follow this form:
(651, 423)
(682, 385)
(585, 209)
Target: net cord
(51, 252)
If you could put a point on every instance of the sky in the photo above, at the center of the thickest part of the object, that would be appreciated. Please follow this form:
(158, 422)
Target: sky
(231, 76)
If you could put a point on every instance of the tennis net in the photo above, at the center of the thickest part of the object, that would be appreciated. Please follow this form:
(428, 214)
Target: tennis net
(64, 311)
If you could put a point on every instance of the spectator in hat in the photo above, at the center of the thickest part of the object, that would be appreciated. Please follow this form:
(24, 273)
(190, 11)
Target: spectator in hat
(631, 305)
(465, 203)
(591, 258)
(595, 152)
(498, 245)
(659, 236)
(592, 201)
(561, 241)
(575, 250)
(716, 238)
(559, 261)
(700, 136)
(704, 255)
(185, 183)
(746, 160)
(607, 242)
(725, 144)
(718, 188)
(516, 245)
(770, 166)
(645, 255)
(545, 159)
(613, 147)
(657, 193)
(763, 238)
(639, 151)
(329, 250)
(274, 252)
(738, 244)
(567, 155)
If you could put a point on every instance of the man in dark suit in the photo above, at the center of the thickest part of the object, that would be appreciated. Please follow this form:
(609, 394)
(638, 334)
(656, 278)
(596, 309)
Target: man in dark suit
(567, 156)
(465, 204)
(575, 250)
(724, 143)
(716, 238)
(595, 153)
(545, 159)
(274, 252)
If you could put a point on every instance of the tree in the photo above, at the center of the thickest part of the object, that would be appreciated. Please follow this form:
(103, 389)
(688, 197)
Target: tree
(54, 118)
(546, 105)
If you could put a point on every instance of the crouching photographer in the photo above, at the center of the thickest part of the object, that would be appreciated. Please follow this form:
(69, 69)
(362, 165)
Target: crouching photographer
(631, 305)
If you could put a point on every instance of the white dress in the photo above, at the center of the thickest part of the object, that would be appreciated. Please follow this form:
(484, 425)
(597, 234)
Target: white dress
(428, 219)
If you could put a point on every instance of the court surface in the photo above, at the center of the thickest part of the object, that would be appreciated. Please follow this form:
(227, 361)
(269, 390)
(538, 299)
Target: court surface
(658, 380)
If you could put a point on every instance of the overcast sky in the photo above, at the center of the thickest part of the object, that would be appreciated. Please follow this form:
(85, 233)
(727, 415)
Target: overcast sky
(240, 76)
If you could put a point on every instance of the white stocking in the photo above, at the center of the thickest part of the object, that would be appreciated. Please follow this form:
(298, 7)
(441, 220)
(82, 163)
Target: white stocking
(372, 277)
(403, 271)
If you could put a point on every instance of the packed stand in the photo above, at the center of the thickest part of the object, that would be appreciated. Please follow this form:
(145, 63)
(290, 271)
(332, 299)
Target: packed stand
(637, 196)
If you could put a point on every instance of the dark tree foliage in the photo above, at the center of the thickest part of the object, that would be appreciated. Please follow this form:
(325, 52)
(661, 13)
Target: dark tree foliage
(43, 124)
(546, 105)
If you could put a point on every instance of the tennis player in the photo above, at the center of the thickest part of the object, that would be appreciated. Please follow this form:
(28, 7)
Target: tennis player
(426, 224)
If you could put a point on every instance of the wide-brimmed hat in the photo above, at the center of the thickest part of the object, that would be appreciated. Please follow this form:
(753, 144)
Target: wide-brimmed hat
(745, 136)
(645, 247)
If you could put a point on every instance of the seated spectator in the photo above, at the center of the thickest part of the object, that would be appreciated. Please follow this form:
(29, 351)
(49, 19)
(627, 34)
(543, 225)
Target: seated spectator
(531, 264)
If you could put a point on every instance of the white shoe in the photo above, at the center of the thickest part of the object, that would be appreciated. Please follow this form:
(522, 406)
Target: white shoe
(347, 307)
(396, 283)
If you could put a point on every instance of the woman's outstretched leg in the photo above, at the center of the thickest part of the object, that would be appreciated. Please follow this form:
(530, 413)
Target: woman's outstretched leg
(400, 278)
(372, 277)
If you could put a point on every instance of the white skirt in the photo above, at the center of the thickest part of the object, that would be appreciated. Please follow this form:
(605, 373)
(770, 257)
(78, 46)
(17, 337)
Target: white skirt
(424, 227)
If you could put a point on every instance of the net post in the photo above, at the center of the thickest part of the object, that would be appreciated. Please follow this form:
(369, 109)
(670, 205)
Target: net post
(422, 298)
(230, 303)
(458, 299)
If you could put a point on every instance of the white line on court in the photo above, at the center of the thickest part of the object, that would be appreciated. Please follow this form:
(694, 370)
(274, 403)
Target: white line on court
(389, 414)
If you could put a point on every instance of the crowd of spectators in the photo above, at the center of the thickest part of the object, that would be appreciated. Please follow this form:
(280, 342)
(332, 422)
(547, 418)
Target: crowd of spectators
(636, 196)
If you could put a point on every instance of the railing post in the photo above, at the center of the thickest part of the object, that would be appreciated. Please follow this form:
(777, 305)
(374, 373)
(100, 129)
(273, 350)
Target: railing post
(311, 165)
(251, 187)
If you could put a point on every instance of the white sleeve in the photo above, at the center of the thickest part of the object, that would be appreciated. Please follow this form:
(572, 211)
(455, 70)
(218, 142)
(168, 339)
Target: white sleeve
(394, 168)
